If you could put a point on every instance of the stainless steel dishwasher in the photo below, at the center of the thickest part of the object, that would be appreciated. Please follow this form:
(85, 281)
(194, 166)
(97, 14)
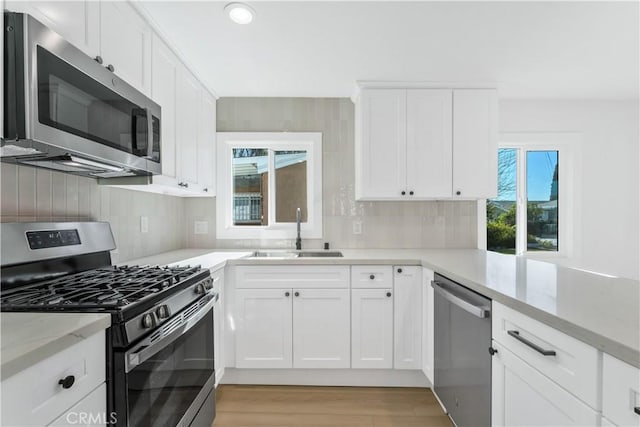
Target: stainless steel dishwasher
(462, 362)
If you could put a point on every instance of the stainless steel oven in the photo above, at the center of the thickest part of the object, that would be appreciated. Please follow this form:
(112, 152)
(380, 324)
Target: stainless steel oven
(65, 111)
(167, 379)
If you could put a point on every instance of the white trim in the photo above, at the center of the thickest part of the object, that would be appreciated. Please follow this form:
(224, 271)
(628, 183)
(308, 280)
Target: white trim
(567, 144)
(309, 141)
(482, 223)
(400, 84)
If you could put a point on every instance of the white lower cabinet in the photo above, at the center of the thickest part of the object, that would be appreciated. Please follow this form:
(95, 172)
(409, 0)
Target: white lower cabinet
(264, 334)
(218, 325)
(407, 317)
(620, 392)
(321, 328)
(372, 328)
(36, 396)
(427, 323)
(522, 396)
(299, 328)
(89, 412)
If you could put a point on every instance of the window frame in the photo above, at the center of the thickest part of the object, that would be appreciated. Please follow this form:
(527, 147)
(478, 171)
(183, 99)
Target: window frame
(565, 144)
(311, 142)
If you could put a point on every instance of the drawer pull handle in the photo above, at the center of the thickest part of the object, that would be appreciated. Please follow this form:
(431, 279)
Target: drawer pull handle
(542, 351)
(637, 410)
(67, 382)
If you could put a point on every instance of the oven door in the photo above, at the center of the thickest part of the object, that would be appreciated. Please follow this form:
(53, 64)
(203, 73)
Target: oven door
(169, 381)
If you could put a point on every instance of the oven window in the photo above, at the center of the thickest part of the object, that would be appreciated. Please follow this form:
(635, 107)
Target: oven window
(71, 101)
(161, 389)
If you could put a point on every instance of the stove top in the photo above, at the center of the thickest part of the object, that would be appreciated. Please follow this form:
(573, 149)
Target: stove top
(112, 287)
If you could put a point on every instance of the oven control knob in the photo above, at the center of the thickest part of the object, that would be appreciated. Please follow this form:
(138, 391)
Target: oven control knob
(200, 289)
(208, 284)
(147, 321)
(163, 311)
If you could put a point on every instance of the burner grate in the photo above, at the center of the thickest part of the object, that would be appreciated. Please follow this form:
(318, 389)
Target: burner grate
(109, 287)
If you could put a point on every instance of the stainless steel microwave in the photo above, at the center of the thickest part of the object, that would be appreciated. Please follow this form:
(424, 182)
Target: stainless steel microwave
(65, 111)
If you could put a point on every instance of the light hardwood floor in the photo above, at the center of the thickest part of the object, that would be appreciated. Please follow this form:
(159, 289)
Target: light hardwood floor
(293, 406)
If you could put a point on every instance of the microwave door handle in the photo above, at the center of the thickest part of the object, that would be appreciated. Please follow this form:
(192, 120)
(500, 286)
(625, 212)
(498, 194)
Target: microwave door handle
(149, 134)
(137, 114)
(143, 351)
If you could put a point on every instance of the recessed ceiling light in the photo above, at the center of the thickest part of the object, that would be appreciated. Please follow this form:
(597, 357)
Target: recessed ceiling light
(240, 13)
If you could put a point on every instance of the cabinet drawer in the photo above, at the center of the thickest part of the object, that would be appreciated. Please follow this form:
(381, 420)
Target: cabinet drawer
(90, 411)
(292, 276)
(371, 276)
(34, 397)
(620, 392)
(575, 364)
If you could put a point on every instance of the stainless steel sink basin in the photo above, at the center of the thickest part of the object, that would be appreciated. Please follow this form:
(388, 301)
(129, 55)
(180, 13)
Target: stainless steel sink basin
(296, 254)
(320, 254)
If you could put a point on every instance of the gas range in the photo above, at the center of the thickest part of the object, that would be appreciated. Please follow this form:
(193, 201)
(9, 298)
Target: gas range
(161, 317)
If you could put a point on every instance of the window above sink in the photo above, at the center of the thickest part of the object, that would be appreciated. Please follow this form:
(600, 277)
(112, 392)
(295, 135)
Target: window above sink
(263, 177)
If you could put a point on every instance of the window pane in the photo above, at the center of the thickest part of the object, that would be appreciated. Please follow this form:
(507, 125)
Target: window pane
(250, 186)
(291, 185)
(501, 211)
(542, 200)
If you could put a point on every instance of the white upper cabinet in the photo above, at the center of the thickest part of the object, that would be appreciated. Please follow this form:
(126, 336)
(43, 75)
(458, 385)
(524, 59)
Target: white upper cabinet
(207, 144)
(475, 143)
(381, 148)
(76, 21)
(125, 43)
(164, 79)
(415, 144)
(429, 162)
(188, 105)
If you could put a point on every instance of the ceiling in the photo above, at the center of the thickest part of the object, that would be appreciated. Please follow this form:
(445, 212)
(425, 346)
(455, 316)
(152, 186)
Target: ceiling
(320, 49)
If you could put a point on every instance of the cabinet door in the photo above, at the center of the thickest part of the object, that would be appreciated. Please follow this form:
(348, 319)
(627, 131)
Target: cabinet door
(188, 105)
(522, 396)
(407, 317)
(381, 156)
(372, 328)
(163, 91)
(321, 322)
(78, 22)
(125, 43)
(263, 335)
(429, 163)
(207, 143)
(91, 411)
(219, 325)
(427, 324)
(620, 392)
(475, 143)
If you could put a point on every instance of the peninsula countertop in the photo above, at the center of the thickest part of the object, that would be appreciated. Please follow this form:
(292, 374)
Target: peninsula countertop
(601, 310)
(28, 338)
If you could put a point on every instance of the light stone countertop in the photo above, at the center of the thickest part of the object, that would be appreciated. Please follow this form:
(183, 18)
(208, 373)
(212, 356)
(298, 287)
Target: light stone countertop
(599, 310)
(28, 338)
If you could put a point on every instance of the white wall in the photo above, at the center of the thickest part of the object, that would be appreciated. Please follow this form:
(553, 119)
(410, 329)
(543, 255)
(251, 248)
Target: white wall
(607, 186)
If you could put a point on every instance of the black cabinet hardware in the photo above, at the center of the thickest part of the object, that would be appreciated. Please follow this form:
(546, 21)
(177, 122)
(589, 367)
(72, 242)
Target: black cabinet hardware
(411, 193)
(388, 294)
(98, 59)
(67, 382)
(399, 270)
(492, 351)
(637, 410)
(297, 294)
(403, 193)
(458, 193)
(286, 294)
(542, 351)
(372, 277)
(110, 68)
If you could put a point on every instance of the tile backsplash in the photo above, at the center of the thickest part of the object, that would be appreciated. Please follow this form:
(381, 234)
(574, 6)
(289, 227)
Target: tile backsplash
(30, 194)
(429, 224)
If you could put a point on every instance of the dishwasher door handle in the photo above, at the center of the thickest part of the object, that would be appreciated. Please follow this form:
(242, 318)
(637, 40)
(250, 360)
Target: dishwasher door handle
(478, 311)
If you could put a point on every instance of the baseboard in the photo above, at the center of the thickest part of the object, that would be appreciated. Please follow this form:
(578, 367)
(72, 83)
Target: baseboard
(327, 377)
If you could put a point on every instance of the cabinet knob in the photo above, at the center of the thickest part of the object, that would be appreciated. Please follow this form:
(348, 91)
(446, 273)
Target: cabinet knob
(297, 294)
(388, 294)
(286, 294)
(637, 410)
(399, 270)
(492, 351)
(67, 382)
(403, 193)
(372, 277)
(411, 193)
(206, 190)
(98, 59)
(110, 68)
(458, 193)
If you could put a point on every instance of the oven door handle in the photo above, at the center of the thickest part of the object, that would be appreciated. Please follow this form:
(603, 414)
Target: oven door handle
(145, 349)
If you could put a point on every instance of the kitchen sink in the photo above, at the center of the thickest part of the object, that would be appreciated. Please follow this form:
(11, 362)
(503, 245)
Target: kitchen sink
(296, 254)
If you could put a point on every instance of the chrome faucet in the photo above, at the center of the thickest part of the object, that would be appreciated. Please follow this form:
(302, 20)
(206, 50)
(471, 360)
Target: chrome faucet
(298, 219)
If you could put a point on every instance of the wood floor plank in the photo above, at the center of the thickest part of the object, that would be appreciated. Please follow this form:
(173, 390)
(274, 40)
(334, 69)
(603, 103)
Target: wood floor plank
(291, 406)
